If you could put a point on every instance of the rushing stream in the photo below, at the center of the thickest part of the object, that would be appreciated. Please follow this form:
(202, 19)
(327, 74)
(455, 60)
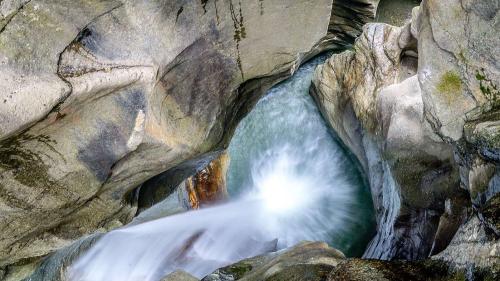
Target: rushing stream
(289, 180)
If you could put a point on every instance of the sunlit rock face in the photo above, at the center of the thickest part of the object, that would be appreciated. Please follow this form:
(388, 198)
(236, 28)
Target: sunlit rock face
(460, 80)
(100, 96)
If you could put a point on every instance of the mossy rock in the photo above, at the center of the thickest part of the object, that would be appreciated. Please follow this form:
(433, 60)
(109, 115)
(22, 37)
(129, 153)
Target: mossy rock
(237, 270)
(450, 84)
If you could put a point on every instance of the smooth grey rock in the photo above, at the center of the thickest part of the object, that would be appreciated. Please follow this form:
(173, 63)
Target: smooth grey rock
(103, 95)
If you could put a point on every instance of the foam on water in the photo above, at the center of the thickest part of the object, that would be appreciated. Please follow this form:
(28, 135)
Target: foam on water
(290, 181)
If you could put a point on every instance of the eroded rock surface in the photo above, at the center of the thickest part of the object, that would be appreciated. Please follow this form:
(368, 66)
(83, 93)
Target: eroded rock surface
(208, 186)
(418, 106)
(100, 96)
(376, 108)
(471, 247)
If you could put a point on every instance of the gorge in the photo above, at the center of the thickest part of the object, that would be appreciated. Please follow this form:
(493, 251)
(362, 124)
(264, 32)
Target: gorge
(216, 140)
(289, 180)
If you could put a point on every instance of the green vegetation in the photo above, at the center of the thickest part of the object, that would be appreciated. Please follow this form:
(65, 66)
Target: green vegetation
(488, 88)
(450, 83)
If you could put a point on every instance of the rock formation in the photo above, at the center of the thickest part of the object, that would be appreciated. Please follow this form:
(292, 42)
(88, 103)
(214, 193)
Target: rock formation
(316, 261)
(102, 96)
(418, 106)
(208, 186)
(163, 196)
(109, 107)
(179, 276)
(305, 261)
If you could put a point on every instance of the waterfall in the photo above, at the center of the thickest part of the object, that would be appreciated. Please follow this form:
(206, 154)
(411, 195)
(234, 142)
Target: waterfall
(290, 180)
(387, 201)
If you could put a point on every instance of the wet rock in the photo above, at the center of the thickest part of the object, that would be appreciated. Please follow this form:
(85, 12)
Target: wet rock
(316, 261)
(54, 267)
(347, 19)
(208, 186)
(305, 261)
(158, 188)
(490, 214)
(179, 276)
(455, 214)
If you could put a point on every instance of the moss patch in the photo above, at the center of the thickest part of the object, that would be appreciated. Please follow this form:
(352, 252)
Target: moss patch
(449, 84)
(488, 87)
(237, 270)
